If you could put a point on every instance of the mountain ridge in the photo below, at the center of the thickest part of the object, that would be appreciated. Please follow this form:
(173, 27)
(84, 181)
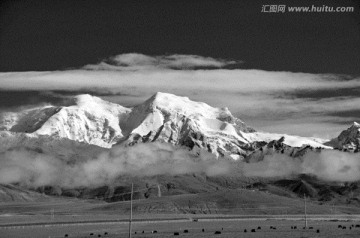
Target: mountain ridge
(163, 117)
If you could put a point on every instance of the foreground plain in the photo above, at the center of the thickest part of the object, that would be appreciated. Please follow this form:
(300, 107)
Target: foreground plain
(229, 211)
(228, 228)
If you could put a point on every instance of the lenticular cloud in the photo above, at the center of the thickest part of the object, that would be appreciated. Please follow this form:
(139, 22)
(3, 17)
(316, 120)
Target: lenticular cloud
(135, 61)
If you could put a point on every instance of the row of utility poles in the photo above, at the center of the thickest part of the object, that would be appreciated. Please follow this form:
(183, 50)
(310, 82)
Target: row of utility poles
(131, 206)
(52, 211)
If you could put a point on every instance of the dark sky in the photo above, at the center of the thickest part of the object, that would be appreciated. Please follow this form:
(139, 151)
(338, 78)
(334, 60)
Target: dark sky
(53, 35)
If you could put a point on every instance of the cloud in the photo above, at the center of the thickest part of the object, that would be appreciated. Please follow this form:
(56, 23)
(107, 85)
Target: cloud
(34, 169)
(15, 100)
(284, 102)
(135, 61)
(327, 165)
(324, 93)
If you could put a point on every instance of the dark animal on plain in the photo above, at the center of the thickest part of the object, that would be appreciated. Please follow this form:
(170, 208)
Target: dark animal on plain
(344, 227)
(253, 230)
(186, 231)
(203, 230)
(259, 228)
(155, 231)
(91, 234)
(217, 232)
(143, 232)
(310, 228)
(176, 233)
(339, 226)
(295, 227)
(357, 225)
(66, 235)
(245, 230)
(317, 231)
(107, 233)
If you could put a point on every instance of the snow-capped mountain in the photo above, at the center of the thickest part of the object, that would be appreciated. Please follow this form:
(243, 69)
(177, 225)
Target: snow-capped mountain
(348, 139)
(89, 119)
(163, 117)
(180, 121)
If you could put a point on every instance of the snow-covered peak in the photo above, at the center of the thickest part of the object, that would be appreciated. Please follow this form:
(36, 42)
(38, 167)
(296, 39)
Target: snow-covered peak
(86, 100)
(348, 139)
(184, 106)
(180, 121)
(90, 120)
(96, 104)
(355, 124)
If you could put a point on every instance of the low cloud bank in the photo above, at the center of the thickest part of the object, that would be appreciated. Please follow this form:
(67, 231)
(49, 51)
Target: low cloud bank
(33, 169)
(327, 165)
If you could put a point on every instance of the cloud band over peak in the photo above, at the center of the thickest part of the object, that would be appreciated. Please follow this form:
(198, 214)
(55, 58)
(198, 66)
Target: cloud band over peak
(304, 104)
(136, 61)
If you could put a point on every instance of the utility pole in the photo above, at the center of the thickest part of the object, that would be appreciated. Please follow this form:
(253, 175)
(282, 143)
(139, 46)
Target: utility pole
(159, 191)
(131, 198)
(305, 210)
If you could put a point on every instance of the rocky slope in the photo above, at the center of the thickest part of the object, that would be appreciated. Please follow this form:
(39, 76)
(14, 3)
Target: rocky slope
(13, 193)
(280, 147)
